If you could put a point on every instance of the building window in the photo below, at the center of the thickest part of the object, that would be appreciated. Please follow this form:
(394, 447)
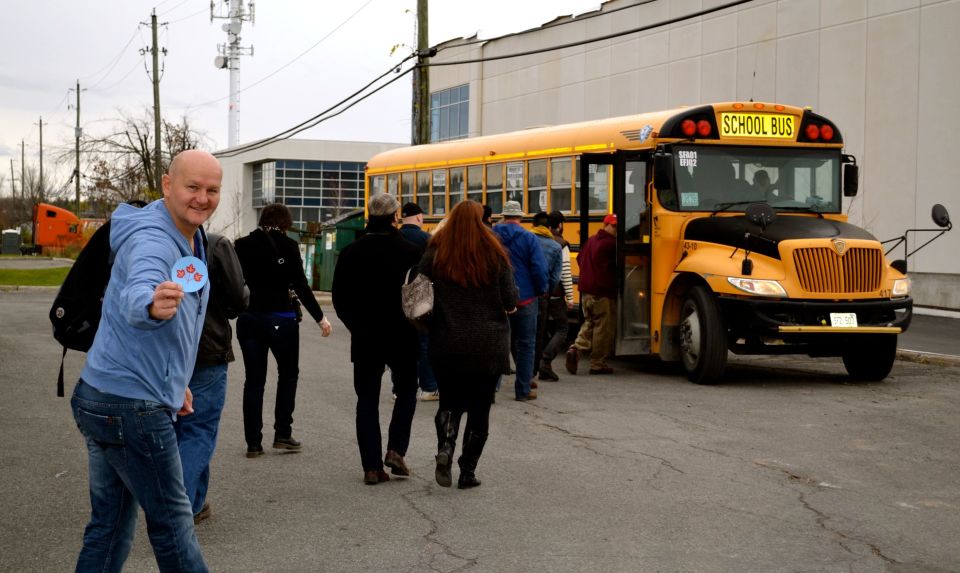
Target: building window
(448, 113)
(325, 189)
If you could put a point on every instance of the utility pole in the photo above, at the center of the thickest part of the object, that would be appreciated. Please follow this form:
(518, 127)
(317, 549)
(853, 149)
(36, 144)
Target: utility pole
(77, 133)
(155, 52)
(23, 167)
(42, 188)
(421, 80)
(229, 58)
(13, 182)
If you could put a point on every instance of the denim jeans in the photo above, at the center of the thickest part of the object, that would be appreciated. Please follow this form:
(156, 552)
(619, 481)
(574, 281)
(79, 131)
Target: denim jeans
(197, 433)
(523, 342)
(556, 326)
(133, 459)
(427, 381)
(259, 334)
(367, 375)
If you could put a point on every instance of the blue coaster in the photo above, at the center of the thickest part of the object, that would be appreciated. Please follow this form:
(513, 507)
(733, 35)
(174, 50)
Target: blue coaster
(190, 273)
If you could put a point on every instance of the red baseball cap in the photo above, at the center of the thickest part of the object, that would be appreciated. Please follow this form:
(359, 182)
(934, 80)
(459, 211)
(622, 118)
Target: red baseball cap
(610, 219)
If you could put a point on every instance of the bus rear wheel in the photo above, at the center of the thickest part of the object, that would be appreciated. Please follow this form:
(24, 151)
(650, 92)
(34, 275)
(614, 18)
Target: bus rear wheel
(870, 357)
(703, 340)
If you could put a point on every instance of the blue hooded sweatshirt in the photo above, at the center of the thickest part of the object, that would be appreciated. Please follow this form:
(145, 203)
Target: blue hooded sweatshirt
(526, 256)
(133, 355)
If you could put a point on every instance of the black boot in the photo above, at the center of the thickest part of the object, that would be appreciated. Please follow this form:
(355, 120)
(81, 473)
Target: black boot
(448, 425)
(472, 448)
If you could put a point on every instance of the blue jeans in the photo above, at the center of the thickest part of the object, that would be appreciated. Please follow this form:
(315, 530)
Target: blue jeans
(523, 345)
(197, 433)
(427, 381)
(133, 459)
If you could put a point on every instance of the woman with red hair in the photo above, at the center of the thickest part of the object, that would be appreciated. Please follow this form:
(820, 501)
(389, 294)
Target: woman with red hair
(473, 292)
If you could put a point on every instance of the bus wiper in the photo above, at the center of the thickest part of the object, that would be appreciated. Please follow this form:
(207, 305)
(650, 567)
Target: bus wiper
(805, 208)
(724, 206)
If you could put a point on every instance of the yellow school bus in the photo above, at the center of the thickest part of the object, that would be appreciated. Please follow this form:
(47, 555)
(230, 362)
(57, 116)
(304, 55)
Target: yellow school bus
(732, 235)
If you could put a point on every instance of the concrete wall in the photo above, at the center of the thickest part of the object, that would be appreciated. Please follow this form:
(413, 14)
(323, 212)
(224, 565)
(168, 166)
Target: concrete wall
(235, 215)
(886, 71)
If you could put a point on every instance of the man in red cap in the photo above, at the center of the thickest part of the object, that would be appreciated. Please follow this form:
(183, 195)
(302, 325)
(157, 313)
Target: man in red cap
(598, 299)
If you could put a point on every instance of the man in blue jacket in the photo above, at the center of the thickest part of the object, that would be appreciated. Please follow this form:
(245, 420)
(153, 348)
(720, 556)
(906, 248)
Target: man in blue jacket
(531, 276)
(134, 382)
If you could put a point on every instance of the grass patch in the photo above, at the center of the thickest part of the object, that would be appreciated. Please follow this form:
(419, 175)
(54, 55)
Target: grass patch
(33, 277)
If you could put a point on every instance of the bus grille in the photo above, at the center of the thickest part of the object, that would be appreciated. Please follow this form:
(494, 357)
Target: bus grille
(823, 270)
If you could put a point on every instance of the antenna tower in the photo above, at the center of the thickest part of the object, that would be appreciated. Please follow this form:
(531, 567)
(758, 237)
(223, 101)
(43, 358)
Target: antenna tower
(229, 58)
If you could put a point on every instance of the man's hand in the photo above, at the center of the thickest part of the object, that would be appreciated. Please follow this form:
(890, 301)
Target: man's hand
(187, 407)
(166, 300)
(569, 306)
(325, 327)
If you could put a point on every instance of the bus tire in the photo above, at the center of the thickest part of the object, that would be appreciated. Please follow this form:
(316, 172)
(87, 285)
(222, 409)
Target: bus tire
(703, 339)
(870, 358)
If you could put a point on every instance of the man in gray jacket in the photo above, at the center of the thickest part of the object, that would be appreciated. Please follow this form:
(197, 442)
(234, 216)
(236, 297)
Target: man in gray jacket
(197, 434)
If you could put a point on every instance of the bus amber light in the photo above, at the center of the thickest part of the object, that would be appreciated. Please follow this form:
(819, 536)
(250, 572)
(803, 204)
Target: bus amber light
(813, 132)
(758, 287)
(826, 132)
(688, 127)
(703, 128)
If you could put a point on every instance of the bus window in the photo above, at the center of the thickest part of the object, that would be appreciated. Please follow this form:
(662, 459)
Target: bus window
(635, 203)
(515, 182)
(423, 190)
(576, 184)
(475, 183)
(393, 183)
(495, 187)
(599, 188)
(537, 185)
(456, 186)
(560, 177)
(439, 192)
(406, 188)
(376, 185)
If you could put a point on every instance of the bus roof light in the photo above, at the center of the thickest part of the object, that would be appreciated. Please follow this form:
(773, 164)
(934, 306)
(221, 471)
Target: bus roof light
(689, 127)
(826, 132)
(813, 132)
(703, 128)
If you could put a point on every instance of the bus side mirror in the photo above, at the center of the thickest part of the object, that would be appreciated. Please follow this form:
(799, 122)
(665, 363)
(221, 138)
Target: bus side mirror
(851, 179)
(941, 217)
(663, 170)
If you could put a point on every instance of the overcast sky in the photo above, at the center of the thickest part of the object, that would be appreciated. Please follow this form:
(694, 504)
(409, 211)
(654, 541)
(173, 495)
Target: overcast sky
(46, 45)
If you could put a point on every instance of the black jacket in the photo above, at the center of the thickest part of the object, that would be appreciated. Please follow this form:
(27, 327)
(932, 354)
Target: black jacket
(469, 330)
(270, 280)
(366, 294)
(228, 298)
(416, 235)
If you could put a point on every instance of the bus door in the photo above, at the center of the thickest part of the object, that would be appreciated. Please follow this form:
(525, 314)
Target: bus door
(631, 204)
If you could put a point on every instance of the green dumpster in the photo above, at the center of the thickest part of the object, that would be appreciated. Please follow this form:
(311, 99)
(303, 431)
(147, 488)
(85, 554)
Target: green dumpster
(334, 236)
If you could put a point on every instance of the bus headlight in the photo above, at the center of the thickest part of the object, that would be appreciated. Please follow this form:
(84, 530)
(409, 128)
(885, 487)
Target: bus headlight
(901, 287)
(758, 287)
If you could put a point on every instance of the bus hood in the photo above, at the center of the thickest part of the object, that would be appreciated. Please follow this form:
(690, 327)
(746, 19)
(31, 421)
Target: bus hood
(731, 230)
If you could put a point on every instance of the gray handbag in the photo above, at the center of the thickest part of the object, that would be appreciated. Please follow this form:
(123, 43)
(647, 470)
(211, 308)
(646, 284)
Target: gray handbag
(416, 296)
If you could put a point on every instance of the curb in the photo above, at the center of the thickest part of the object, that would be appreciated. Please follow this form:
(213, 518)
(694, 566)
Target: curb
(14, 288)
(927, 357)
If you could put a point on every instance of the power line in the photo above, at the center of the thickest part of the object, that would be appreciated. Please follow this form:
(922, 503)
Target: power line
(590, 40)
(201, 11)
(179, 4)
(113, 62)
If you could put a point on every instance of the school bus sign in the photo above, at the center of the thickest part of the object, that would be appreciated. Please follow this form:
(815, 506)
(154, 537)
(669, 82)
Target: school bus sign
(776, 126)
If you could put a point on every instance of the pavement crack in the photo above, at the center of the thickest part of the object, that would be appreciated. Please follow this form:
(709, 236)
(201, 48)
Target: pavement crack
(439, 560)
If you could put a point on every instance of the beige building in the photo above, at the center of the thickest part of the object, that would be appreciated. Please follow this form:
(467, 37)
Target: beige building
(887, 72)
(317, 180)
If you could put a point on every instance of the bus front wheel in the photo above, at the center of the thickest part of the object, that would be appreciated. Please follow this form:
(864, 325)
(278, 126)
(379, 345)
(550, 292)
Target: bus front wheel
(703, 341)
(870, 358)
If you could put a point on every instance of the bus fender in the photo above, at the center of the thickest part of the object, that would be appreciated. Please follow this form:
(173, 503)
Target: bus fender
(681, 283)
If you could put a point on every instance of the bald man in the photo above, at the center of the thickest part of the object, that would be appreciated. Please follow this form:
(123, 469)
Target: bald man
(134, 382)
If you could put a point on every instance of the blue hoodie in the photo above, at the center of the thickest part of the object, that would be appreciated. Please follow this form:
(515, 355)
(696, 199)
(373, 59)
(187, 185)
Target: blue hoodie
(133, 355)
(529, 265)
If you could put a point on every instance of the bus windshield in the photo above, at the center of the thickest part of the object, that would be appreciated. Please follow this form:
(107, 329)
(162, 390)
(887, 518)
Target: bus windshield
(714, 178)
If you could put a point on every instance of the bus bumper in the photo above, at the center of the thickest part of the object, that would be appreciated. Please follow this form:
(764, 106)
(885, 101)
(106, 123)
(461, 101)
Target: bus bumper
(760, 326)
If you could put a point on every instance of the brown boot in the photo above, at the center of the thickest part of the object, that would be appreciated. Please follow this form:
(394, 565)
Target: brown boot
(573, 360)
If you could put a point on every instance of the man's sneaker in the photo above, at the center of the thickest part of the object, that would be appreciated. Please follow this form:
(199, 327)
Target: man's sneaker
(573, 360)
(531, 396)
(286, 444)
(429, 396)
(547, 374)
(395, 462)
(205, 513)
(254, 451)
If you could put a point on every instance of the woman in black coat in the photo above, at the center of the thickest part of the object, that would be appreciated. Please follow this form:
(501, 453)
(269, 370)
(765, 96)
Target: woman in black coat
(469, 333)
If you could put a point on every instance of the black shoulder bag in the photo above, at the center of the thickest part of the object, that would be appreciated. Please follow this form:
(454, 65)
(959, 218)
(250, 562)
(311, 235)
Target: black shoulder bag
(293, 299)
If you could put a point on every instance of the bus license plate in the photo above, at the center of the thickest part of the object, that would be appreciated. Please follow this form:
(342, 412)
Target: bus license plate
(843, 319)
(757, 125)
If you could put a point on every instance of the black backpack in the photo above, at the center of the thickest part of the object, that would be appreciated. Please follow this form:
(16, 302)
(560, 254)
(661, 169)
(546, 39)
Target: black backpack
(75, 313)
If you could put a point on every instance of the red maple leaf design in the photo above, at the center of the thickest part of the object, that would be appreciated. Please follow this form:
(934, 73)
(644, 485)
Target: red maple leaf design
(197, 277)
(181, 273)
(191, 269)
